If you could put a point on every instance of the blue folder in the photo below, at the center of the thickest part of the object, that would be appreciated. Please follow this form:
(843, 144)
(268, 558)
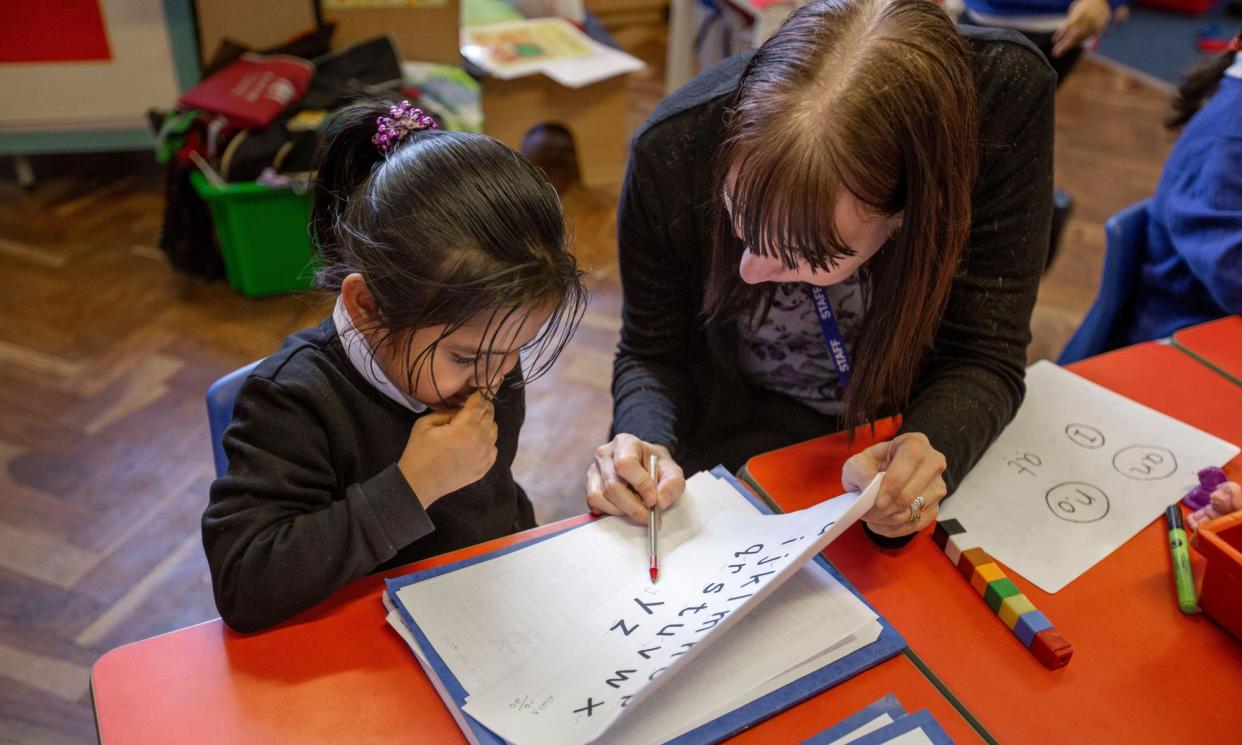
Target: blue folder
(887, 705)
(889, 644)
(921, 719)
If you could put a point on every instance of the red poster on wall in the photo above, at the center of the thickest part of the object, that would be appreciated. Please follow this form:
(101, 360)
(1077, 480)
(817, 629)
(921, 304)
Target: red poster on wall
(52, 31)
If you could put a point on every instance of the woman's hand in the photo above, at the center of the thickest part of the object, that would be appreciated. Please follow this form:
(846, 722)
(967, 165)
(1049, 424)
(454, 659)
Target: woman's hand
(912, 468)
(618, 484)
(1086, 18)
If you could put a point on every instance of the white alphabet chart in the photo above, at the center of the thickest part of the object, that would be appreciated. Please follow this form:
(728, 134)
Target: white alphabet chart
(1078, 472)
(575, 690)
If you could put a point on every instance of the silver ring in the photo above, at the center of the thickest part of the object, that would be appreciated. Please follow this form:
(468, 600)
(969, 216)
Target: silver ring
(916, 510)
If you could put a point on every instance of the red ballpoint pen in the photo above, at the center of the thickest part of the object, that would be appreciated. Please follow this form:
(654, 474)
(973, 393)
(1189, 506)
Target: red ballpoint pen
(652, 523)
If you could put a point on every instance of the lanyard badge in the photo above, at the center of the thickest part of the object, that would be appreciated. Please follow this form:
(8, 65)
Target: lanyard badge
(832, 334)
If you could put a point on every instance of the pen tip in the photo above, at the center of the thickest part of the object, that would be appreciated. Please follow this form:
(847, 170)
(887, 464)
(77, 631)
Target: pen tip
(655, 574)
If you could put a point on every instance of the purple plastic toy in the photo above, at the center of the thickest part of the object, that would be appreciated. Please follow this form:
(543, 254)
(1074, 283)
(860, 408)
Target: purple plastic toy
(1209, 478)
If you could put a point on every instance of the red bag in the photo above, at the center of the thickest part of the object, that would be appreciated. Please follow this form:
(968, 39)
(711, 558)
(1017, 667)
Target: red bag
(252, 91)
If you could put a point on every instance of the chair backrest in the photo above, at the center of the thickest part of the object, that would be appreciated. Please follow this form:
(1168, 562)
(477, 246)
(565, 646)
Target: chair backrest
(220, 398)
(1126, 234)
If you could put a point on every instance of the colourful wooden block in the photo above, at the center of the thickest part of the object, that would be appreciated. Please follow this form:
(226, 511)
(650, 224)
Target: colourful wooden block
(957, 544)
(970, 559)
(944, 530)
(985, 575)
(1030, 624)
(997, 591)
(1051, 649)
(1014, 607)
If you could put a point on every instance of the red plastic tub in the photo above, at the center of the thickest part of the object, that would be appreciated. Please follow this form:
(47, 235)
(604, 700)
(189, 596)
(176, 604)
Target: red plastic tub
(1220, 542)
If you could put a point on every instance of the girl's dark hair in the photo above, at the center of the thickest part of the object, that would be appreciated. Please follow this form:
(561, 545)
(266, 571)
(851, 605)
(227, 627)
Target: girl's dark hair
(448, 228)
(1200, 83)
(874, 98)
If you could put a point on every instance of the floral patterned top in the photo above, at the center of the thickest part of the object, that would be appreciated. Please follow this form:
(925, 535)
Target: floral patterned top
(787, 353)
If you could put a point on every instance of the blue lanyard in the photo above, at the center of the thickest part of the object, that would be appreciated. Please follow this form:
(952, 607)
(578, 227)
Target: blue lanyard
(832, 335)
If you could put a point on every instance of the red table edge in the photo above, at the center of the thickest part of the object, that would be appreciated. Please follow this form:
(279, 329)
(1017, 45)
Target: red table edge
(1173, 342)
(365, 585)
(359, 586)
(1176, 340)
(924, 669)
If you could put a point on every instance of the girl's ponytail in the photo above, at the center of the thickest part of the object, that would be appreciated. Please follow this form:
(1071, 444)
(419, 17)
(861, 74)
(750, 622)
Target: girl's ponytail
(346, 158)
(1200, 83)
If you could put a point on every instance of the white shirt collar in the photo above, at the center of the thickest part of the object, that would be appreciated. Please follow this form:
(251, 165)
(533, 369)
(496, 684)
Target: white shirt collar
(359, 352)
(1235, 71)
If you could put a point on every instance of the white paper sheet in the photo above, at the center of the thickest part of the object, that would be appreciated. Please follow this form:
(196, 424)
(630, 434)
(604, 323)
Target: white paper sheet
(1078, 472)
(866, 729)
(574, 690)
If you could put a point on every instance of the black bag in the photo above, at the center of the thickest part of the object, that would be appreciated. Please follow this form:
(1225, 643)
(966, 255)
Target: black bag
(188, 235)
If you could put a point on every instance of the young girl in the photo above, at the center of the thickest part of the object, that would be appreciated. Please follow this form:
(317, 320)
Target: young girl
(386, 433)
(848, 224)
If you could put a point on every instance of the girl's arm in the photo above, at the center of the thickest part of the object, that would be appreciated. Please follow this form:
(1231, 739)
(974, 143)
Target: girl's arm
(278, 538)
(973, 379)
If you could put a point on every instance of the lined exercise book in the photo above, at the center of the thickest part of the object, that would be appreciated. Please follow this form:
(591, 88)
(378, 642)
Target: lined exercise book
(566, 640)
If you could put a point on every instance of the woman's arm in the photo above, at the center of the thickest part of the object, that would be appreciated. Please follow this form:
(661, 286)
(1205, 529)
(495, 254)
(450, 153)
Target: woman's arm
(653, 391)
(972, 381)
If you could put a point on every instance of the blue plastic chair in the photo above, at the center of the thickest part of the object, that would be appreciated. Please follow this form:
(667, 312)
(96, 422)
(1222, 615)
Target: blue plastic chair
(1126, 234)
(220, 398)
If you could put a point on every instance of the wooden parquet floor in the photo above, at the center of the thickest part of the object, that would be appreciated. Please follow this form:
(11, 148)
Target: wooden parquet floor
(105, 354)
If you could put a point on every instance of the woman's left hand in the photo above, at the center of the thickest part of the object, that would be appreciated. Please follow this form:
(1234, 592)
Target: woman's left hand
(912, 469)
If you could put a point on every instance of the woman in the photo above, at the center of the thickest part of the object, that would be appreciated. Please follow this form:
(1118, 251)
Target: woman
(873, 155)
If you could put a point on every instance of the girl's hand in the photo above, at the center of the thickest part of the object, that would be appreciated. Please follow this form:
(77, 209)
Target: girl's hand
(1086, 19)
(618, 484)
(912, 468)
(448, 450)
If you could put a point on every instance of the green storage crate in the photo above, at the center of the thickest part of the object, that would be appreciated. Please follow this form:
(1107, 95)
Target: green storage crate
(263, 234)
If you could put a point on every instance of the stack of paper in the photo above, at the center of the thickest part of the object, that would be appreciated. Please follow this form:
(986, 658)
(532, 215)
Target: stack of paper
(566, 640)
(885, 721)
(552, 46)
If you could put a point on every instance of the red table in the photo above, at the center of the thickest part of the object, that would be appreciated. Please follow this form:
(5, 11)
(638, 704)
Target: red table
(1217, 344)
(339, 674)
(1141, 671)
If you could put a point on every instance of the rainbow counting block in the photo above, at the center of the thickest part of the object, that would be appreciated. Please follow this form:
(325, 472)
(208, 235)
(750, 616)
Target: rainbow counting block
(999, 593)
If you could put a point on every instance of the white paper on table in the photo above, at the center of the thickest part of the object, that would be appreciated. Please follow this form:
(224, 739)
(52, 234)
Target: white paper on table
(799, 627)
(553, 46)
(881, 721)
(605, 63)
(574, 690)
(1078, 472)
(913, 737)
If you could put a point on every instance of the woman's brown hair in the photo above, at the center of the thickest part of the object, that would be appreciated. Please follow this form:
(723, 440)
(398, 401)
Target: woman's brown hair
(871, 97)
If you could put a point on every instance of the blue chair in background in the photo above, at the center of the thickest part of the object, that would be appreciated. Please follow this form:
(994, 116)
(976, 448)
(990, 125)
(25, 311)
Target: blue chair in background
(220, 398)
(1126, 235)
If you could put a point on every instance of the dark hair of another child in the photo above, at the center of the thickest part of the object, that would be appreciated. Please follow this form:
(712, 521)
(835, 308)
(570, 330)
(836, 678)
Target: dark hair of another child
(446, 229)
(1199, 85)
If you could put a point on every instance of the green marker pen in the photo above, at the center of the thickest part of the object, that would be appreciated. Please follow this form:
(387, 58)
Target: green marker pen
(1181, 562)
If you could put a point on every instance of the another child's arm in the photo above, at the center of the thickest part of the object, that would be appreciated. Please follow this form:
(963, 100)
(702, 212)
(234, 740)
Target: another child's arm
(1205, 221)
